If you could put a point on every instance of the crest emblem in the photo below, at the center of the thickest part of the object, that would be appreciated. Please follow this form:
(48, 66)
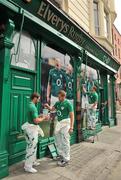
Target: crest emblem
(62, 108)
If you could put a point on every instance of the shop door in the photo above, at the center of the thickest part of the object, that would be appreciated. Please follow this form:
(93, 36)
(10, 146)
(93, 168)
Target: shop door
(22, 84)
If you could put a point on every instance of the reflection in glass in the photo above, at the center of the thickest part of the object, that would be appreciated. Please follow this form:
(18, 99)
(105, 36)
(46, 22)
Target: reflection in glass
(25, 56)
(87, 79)
(110, 99)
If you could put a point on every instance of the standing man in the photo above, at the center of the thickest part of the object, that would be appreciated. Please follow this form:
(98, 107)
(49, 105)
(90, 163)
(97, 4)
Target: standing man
(69, 80)
(31, 131)
(56, 82)
(84, 97)
(93, 102)
(63, 128)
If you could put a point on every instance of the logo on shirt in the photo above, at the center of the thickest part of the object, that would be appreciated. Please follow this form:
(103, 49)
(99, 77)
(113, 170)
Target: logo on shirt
(62, 108)
(70, 85)
(58, 82)
(58, 113)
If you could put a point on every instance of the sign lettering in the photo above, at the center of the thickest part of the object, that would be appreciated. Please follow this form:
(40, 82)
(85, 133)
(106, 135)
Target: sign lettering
(70, 31)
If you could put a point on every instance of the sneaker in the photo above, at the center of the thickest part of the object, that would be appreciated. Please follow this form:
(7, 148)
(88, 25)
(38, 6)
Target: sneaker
(91, 128)
(58, 158)
(92, 141)
(36, 163)
(62, 163)
(30, 170)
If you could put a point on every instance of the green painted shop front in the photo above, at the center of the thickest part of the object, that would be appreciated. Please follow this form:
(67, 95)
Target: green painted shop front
(46, 30)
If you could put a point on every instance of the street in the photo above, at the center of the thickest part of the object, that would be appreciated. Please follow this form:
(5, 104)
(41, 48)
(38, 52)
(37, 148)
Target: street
(98, 161)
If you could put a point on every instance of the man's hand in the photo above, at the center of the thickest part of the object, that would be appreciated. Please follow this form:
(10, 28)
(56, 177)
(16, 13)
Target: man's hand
(46, 117)
(51, 108)
(42, 118)
(47, 106)
(70, 131)
(71, 122)
(94, 105)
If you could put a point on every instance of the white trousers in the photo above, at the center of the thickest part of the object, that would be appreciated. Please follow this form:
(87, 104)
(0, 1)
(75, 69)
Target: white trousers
(91, 118)
(62, 139)
(31, 149)
(31, 133)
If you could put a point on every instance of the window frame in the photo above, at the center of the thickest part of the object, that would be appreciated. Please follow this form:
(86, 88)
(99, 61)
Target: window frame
(96, 18)
(106, 24)
(34, 41)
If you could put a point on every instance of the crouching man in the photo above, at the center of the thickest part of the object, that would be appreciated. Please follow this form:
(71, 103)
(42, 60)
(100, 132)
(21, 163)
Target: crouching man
(64, 127)
(32, 130)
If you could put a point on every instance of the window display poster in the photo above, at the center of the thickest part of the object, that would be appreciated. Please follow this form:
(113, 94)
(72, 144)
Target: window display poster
(57, 74)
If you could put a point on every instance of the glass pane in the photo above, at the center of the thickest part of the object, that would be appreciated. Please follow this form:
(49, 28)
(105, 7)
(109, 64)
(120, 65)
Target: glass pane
(106, 24)
(87, 80)
(110, 99)
(25, 56)
(96, 18)
(57, 74)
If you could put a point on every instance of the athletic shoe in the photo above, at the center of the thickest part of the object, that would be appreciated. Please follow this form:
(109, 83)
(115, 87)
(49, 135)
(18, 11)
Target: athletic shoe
(36, 163)
(62, 163)
(30, 170)
(58, 158)
(91, 128)
(92, 141)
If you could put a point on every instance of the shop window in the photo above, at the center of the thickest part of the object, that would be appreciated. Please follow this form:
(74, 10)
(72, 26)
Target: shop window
(87, 78)
(23, 52)
(115, 36)
(56, 75)
(96, 17)
(119, 53)
(110, 99)
(106, 24)
(118, 41)
(120, 72)
(115, 49)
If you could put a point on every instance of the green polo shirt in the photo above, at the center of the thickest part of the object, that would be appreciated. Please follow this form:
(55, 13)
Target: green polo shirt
(93, 97)
(32, 113)
(63, 109)
(56, 80)
(69, 85)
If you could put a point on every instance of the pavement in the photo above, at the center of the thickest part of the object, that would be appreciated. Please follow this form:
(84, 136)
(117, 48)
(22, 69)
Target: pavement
(98, 161)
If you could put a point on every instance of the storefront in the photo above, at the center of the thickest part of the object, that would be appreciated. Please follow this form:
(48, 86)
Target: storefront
(36, 39)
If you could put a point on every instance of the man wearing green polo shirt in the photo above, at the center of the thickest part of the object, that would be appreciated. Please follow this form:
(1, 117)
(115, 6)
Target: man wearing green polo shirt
(63, 128)
(69, 80)
(31, 131)
(91, 112)
(56, 83)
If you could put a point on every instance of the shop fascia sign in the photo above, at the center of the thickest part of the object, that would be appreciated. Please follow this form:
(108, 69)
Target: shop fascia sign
(46, 13)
